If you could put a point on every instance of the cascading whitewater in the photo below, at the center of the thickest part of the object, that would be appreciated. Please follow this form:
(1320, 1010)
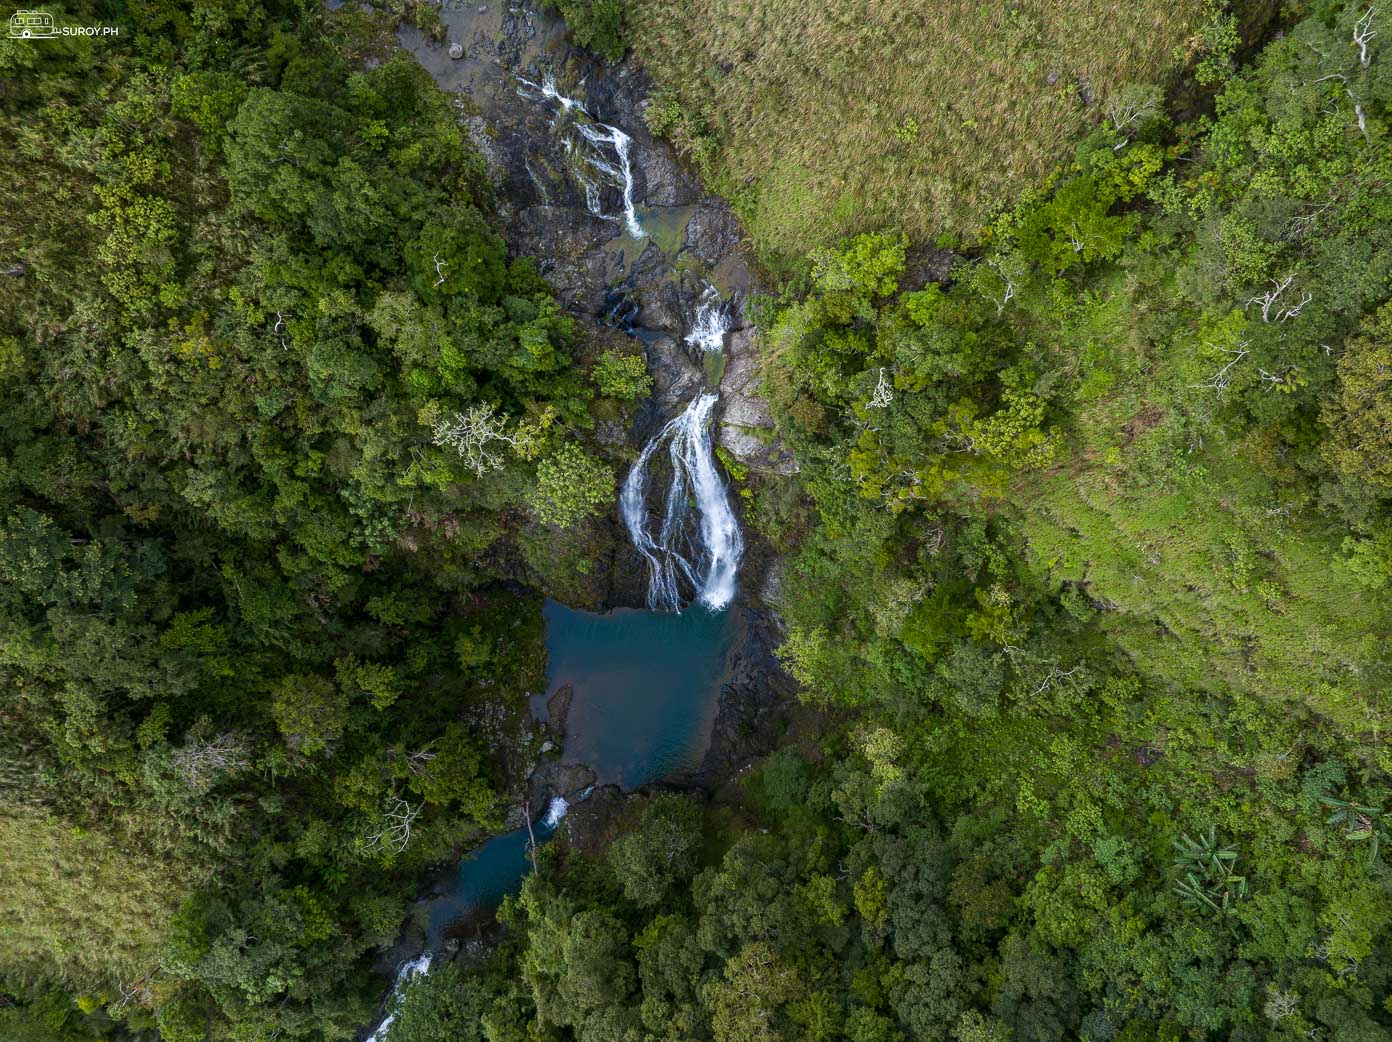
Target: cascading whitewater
(414, 967)
(556, 810)
(702, 552)
(600, 137)
(711, 323)
(705, 551)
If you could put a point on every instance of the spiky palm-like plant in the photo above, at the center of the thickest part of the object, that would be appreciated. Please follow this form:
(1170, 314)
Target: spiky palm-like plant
(1361, 823)
(1208, 881)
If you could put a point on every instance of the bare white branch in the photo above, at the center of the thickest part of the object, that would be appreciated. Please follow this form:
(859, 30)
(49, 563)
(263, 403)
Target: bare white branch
(1219, 381)
(393, 830)
(1269, 301)
(137, 992)
(884, 393)
(1009, 289)
(1363, 33)
(439, 272)
(1053, 677)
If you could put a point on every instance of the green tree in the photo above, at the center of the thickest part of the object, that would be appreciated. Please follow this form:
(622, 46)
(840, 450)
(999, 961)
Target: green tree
(571, 486)
(660, 853)
(622, 376)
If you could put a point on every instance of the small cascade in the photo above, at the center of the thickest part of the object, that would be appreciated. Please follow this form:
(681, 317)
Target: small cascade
(413, 968)
(702, 552)
(602, 139)
(712, 322)
(555, 811)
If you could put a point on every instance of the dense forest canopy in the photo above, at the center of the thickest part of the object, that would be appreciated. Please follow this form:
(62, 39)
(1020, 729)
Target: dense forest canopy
(275, 396)
(1084, 564)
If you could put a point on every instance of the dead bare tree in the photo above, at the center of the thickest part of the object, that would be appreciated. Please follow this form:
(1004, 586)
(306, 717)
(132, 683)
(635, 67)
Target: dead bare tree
(439, 271)
(279, 331)
(1008, 292)
(1129, 109)
(200, 760)
(393, 830)
(1363, 33)
(1269, 300)
(473, 434)
(417, 761)
(884, 393)
(137, 992)
(1220, 381)
(1280, 1005)
(1298, 227)
(531, 836)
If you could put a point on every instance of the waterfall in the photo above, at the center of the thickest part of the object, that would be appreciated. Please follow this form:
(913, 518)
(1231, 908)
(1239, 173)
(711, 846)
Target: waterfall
(555, 811)
(703, 551)
(602, 138)
(412, 968)
(711, 323)
(708, 557)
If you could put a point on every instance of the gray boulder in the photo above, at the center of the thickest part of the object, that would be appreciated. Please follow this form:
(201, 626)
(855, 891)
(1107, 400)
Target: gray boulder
(746, 424)
(712, 233)
(676, 378)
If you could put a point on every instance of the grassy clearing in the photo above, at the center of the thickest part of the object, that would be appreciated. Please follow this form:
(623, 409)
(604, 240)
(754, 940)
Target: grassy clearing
(76, 906)
(823, 120)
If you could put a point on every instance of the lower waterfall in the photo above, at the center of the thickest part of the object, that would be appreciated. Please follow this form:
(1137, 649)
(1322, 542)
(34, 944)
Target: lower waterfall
(705, 550)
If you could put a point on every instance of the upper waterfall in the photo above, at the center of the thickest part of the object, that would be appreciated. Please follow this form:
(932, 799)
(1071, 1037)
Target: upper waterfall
(601, 139)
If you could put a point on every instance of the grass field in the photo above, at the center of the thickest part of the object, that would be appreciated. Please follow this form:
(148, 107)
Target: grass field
(821, 120)
(76, 906)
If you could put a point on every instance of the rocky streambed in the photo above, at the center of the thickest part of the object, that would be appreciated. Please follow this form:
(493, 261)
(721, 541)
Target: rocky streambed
(560, 207)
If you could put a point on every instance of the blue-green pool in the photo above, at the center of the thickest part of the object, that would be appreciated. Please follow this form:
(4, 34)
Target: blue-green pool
(645, 687)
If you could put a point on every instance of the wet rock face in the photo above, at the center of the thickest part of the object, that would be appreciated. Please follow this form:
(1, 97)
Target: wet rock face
(746, 424)
(554, 778)
(620, 98)
(592, 824)
(663, 308)
(676, 378)
(752, 712)
(566, 244)
(711, 234)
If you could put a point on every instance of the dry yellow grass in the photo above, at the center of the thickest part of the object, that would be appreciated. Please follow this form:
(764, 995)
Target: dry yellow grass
(78, 906)
(814, 105)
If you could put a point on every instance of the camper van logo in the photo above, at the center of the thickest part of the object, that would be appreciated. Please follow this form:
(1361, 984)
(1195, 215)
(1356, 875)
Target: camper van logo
(40, 25)
(26, 25)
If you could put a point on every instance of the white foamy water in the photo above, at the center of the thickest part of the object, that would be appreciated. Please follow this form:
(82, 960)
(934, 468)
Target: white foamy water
(603, 140)
(555, 811)
(420, 964)
(705, 549)
(711, 323)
